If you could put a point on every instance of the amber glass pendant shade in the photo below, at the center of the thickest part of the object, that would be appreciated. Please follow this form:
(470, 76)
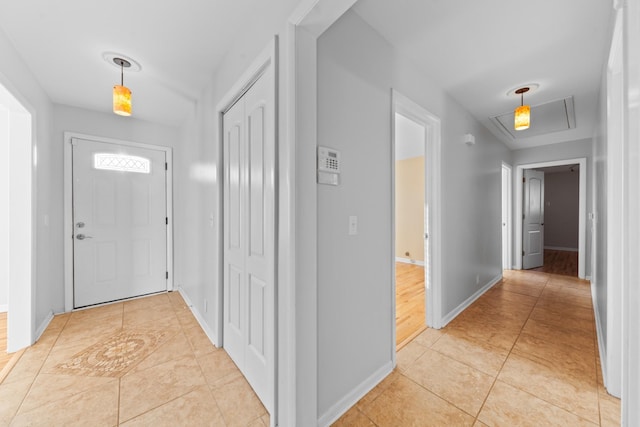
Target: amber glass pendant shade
(121, 100)
(522, 117)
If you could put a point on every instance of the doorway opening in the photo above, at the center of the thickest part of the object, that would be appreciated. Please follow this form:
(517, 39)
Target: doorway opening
(116, 253)
(416, 219)
(17, 162)
(561, 211)
(410, 229)
(530, 242)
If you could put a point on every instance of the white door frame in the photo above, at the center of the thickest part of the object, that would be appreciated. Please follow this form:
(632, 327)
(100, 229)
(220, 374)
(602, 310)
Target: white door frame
(433, 270)
(631, 270)
(508, 199)
(21, 229)
(582, 216)
(68, 206)
(267, 58)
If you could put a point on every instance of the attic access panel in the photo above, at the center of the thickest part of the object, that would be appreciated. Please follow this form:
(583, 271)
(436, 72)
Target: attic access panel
(554, 116)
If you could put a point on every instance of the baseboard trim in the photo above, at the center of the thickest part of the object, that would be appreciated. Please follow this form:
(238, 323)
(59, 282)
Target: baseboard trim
(560, 248)
(43, 325)
(4, 308)
(409, 261)
(344, 404)
(466, 303)
(203, 324)
(601, 348)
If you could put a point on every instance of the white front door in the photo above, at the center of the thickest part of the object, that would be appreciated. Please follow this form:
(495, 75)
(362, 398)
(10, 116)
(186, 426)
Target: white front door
(249, 236)
(119, 222)
(533, 221)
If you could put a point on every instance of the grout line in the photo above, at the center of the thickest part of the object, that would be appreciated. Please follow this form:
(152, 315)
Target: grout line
(529, 393)
(495, 380)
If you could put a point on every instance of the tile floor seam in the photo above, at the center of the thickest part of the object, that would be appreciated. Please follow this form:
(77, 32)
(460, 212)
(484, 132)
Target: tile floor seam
(207, 382)
(36, 375)
(438, 395)
(525, 391)
(365, 415)
(152, 409)
(495, 380)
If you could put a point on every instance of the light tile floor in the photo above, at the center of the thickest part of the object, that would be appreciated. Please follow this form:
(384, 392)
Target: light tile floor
(524, 354)
(144, 362)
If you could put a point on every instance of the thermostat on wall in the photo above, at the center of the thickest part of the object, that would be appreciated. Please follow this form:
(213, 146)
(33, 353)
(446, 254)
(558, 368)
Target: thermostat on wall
(328, 166)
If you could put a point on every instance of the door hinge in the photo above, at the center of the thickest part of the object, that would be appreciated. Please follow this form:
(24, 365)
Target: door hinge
(522, 216)
(167, 275)
(166, 220)
(522, 253)
(166, 166)
(524, 179)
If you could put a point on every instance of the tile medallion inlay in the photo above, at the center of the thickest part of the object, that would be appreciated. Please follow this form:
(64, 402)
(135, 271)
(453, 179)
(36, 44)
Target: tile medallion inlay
(114, 356)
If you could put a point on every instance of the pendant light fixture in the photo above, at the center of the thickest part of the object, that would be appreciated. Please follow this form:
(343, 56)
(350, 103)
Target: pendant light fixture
(121, 93)
(522, 114)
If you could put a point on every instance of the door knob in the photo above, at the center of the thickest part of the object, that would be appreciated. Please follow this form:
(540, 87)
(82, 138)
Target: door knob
(80, 224)
(82, 237)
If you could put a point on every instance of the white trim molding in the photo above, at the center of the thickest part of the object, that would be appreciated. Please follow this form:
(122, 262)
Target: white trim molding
(409, 261)
(343, 405)
(466, 303)
(582, 215)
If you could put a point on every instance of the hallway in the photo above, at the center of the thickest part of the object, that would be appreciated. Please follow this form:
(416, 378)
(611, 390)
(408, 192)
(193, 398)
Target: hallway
(525, 353)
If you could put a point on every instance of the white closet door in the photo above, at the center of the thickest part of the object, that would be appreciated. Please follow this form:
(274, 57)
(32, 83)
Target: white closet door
(249, 236)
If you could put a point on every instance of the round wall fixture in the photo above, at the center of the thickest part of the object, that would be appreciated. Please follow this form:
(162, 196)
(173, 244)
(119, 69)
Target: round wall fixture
(115, 59)
(515, 91)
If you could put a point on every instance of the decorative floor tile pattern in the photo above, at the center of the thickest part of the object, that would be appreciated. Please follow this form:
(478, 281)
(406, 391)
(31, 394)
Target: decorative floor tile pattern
(115, 356)
(141, 362)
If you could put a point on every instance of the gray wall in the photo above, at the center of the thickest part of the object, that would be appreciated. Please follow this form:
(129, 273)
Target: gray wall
(561, 209)
(357, 69)
(564, 151)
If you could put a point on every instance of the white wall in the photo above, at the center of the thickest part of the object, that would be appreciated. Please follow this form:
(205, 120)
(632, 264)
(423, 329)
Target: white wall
(20, 82)
(562, 151)
(357, 69)
(4, 208)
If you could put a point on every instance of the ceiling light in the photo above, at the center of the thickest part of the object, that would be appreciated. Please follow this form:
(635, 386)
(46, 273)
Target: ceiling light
(121, 93)
(522, 114)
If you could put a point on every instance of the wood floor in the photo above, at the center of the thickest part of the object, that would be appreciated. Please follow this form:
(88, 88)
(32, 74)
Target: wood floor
(4, 357)
(559, 262)
(410, 303)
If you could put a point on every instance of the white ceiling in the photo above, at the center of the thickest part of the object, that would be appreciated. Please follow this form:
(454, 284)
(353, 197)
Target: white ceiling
(479, 50)
(475, 50)
(179, 44)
